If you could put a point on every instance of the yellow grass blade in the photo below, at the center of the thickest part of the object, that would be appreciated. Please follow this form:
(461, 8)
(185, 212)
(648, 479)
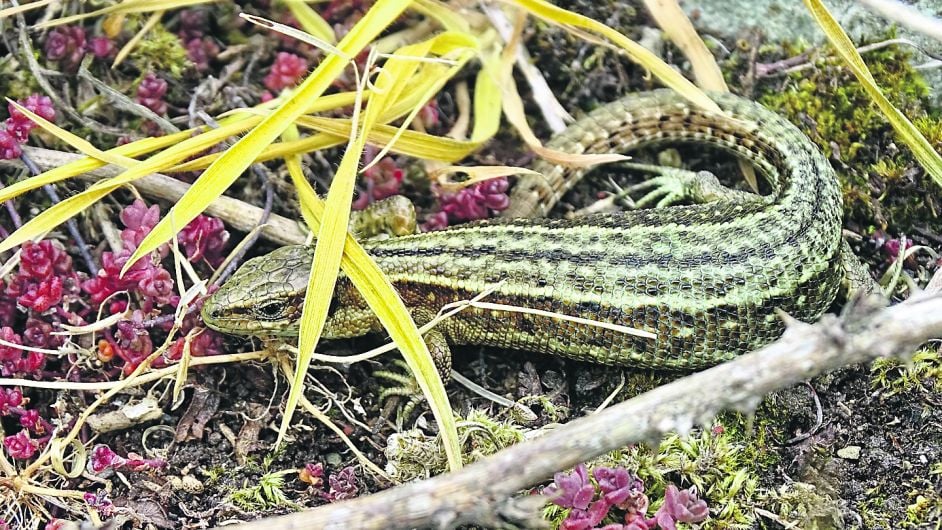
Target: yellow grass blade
(475, 174)
(62, 211)
(79, 143)
(672, 19)
(449, 17)
(487, 99)
(129, 46)
(223, 172)
(513, 110)
(310, 21)
(328, 252)
(22, 8)
(328, 256)
(128, 6)
(922, 149)
(84, 165)
(383, 300)
(635, 51)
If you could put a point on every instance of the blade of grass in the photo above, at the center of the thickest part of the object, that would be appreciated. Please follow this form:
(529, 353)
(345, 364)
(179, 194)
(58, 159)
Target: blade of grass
(126, 7)
(672, 19)
(227, 168)
(311, 21)
(325, 265)
(638, 53)
(60, 212)
(328, 256)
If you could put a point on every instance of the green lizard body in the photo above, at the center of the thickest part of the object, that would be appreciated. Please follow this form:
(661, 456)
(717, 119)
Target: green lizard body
(706, 279)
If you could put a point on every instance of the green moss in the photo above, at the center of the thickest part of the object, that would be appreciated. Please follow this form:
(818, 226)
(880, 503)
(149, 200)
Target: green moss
(923, 370)
(161, 51)
(802, 504)
(833, 109)
(412, 454)
(924, 511)
(266, 493)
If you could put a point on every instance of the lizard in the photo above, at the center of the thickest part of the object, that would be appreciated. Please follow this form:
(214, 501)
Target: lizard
(706, 278)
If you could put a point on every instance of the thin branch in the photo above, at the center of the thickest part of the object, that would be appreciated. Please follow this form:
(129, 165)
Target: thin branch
(482, 493)
(907, 16)
(237, 214)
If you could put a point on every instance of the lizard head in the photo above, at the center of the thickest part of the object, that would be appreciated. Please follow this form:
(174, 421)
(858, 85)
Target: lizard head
(264, 297)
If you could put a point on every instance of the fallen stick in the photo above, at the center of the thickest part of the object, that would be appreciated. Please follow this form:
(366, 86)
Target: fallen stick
(237, 214)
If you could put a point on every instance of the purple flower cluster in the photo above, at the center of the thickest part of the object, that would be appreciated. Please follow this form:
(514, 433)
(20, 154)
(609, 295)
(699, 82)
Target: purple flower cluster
(343, 484)
(200, 49)
(151, 93)
(478, 201)
(147, 277)
(202, 239)
(590, 503)
(17, 127)
(45, 287)
(22, 445)
(286, 71)
(381, 180)
(100, 501)
(66, 45)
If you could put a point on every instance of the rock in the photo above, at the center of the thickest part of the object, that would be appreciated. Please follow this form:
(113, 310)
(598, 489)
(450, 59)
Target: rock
(850, 452)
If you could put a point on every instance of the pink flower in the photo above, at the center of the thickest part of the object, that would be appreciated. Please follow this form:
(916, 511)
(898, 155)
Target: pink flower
(19, 125)
(200, 51)
(343, 485)
(31, 421)
(9, 353)
(38, 333)
(10, 397)
(42, 296)
(102, 47)
(9, 146)
(20, 445)
(680, 506)
(204, 238)
(478, 201)
(286, 71)
(383, 179)
(66, 44)
(157, 284)
(100, 501)
(622, 489)
(104, 458)
(571, 491)
(313, 474)
(585, 519)
(151, 92)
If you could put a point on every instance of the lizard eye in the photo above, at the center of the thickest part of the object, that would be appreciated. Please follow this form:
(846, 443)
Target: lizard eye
(271, 310)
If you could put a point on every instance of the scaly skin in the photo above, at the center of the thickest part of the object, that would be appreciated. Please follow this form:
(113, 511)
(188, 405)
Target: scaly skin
(706, 279)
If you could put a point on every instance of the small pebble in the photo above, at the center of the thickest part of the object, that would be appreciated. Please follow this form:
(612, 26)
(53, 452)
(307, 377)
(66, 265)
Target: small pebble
(851, 452)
